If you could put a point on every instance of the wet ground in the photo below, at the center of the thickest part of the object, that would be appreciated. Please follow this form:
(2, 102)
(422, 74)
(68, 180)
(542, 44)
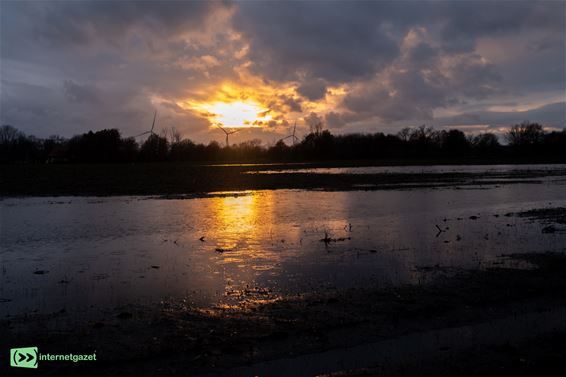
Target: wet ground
(234, 278)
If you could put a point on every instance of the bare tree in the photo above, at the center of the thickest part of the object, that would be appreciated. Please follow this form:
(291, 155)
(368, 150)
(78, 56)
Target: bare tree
(175, 135)
(404, 134)
(525, 134)
(316, 128)
(9, 134)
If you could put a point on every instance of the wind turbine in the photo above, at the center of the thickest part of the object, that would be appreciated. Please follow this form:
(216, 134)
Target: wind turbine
(152, 126)
(294, 138)
(228, 133)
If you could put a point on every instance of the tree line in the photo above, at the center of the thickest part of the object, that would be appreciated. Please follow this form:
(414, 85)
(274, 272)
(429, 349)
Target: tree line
(524, 141)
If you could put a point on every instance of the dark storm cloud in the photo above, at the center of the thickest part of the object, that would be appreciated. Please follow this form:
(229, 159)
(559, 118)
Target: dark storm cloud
(339, 41)
(334, 120)
(313, 89)
(417, 86)
(332, 41)
(81, 22)
(80, 93)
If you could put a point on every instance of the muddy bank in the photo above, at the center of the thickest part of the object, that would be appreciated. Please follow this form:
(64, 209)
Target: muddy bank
(177, 339)
(178, 179)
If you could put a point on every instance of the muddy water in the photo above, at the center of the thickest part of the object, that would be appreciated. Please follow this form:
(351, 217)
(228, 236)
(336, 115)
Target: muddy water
(80, 253)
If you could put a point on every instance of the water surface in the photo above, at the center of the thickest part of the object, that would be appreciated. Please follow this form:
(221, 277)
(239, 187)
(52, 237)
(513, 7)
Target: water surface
(80, 253)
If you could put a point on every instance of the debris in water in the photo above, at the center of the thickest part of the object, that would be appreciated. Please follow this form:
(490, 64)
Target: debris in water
(40, 272)
(155, 267)
(221, 250)
(327, 239)
(474, 217)
(201, 239)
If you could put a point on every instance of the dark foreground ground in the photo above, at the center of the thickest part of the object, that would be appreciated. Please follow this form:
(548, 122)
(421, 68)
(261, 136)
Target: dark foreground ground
(178, 340)
(184, 178)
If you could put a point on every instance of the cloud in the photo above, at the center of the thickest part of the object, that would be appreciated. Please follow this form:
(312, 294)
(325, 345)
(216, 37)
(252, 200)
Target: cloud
(313, 119)
(78, 93)
(313, 89)
(551, 115)
(336, 41)
(421, 79)
(60, 23)
(334, 120)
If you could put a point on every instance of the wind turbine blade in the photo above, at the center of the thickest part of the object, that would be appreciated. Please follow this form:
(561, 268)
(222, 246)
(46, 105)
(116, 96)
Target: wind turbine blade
(143, 133)
(153, 124)
(223, 130)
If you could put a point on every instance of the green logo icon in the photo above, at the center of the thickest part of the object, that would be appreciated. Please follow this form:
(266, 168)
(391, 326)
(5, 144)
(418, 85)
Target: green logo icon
(24, 357)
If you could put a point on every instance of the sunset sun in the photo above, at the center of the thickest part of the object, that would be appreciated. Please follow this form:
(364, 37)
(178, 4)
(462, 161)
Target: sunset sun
(236, 114)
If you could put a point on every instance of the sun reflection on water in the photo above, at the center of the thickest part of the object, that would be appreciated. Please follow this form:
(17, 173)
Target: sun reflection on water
(241, 224)
(236, 220)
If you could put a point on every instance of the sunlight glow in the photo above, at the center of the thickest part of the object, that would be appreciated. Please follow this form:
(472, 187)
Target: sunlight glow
(236, 114)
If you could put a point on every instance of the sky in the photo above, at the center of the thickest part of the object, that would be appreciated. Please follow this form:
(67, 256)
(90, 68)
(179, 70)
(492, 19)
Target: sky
(68, 67)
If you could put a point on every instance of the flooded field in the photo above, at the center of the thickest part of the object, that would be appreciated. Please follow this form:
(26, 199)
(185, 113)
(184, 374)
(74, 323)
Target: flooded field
(88, 254)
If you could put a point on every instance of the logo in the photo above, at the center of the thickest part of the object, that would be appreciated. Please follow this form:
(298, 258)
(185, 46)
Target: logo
(24, 357)
(28, 357)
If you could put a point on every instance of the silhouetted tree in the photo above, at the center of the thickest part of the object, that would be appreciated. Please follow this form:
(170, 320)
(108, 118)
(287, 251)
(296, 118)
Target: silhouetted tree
(318, 145)
(16, 146)
(454, 142)
(100, 146)
(404, 134)
(184, 150)
(528, 141)
(280, 151)
(525, 134)
(555, 143)
(155, 148)
(486, 143)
